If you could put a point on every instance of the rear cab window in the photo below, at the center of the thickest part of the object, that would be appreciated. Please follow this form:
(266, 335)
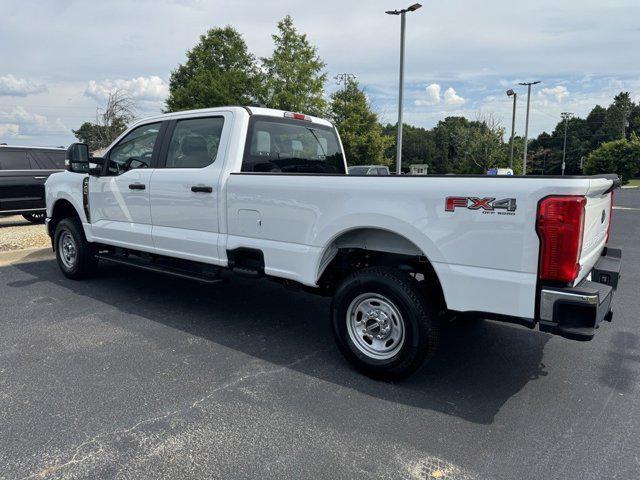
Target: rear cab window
(284, 145)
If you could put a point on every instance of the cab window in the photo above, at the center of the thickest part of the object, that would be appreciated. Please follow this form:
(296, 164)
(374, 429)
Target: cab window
(281, 145)
(135, 150)
(194, 142)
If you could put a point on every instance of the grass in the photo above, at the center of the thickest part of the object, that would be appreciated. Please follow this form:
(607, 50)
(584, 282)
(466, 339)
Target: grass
(634, 182)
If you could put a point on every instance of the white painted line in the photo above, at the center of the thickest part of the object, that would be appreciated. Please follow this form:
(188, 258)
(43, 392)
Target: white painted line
(630, 186)
(626, 208)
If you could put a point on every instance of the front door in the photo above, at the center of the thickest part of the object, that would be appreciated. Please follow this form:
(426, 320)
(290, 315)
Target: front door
(119, 200)
(185, 188)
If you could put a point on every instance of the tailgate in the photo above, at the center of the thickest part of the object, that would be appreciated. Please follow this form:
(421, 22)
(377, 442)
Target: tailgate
(596, 223)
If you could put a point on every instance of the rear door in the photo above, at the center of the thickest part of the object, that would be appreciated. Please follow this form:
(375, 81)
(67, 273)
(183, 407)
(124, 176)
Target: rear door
(119, 200)
(21, 189)
(185, 189)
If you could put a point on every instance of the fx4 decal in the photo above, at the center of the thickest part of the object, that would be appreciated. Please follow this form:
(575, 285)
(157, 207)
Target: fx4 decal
(504, 206)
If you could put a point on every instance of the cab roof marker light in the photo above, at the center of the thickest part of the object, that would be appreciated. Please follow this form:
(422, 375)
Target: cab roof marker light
(297, 116)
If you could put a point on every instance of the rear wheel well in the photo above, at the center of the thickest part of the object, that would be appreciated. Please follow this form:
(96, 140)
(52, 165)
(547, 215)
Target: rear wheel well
(61, 209)
(349, 260)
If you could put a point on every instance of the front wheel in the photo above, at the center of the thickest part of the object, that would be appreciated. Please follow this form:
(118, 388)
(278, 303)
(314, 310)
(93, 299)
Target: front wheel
(74, 254)
(384, 323)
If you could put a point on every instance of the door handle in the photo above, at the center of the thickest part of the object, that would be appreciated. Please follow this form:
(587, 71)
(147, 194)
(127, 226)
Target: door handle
(201, 188)
(137, 186)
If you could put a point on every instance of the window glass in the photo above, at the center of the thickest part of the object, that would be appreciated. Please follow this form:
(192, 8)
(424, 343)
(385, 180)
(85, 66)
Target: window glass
(135, 150)
(47, 159)
(194, 143)
(358, 170)
(278, 145)
(14, 160)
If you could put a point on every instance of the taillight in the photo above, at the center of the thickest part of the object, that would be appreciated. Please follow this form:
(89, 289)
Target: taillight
(610, 216)
(297, 116)
(560, 226)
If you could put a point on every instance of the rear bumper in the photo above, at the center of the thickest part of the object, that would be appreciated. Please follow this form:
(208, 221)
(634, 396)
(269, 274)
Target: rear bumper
(576, 312)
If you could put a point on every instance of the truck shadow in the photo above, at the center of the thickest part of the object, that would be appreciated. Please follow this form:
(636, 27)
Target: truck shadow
(477, 368)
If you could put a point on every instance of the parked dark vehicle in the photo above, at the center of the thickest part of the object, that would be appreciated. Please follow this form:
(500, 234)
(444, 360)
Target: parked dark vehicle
(23, 171)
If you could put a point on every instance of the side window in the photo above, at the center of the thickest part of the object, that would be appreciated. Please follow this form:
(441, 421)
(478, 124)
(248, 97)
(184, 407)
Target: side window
(135, 150)
(14, 160)
(194, 142)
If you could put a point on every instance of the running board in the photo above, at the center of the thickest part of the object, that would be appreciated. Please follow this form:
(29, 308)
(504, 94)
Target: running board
(151, 267)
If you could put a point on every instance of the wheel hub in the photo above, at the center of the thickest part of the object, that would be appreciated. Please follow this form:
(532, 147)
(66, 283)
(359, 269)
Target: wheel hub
(375, 326)
(68, 250)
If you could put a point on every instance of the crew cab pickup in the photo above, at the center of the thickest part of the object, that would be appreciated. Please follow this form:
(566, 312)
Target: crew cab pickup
(266, 193)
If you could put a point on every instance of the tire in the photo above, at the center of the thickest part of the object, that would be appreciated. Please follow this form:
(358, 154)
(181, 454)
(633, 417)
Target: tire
(36, 218)
(384, 323)
(74, 254)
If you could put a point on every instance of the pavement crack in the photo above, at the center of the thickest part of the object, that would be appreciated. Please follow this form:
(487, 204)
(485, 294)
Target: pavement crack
(97, 439)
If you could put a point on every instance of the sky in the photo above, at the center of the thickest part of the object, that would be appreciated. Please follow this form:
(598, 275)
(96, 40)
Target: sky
(59, 59)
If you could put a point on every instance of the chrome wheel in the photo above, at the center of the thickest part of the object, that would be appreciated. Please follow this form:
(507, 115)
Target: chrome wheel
(68, 250)
(375, 326)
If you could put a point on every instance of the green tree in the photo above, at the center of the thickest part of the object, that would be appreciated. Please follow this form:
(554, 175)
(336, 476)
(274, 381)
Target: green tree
(618, 156)
(616, 120)
(293, 74)
(219, 71)
(361, 134)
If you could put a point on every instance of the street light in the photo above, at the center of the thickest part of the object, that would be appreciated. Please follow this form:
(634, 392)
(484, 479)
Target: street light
(526, 128)
(402, 13)
(513, 94)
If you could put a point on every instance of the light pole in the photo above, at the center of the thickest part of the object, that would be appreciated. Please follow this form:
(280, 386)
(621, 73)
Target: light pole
(513, 94)
(345, 78)
(526, 128)
(565, 116)
(402, 13)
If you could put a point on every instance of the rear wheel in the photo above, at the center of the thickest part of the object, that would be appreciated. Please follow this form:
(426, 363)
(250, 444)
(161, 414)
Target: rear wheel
(34, 217)
(74, 254)
(384, 323)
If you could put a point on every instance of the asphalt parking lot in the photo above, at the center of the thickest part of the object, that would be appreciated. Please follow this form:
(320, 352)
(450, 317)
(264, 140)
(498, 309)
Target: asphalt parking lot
(134, 375)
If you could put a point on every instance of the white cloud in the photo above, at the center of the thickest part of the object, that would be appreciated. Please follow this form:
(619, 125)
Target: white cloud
(20, 121)
(432, 97)
(452, 98)
(19, 87)
(151, 88)
(559, 92)
(9, 129)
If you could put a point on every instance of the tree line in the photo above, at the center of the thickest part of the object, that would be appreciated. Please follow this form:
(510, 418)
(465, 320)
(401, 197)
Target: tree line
(219, 70)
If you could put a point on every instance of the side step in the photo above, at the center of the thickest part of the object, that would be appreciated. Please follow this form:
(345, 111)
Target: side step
(152, 266)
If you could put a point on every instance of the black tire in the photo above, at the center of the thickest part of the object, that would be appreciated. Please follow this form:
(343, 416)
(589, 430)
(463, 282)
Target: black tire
(418, 312)
(85, 264)
(37, 218)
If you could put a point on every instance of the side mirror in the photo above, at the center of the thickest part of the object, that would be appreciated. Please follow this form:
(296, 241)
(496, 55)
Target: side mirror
(77, 159)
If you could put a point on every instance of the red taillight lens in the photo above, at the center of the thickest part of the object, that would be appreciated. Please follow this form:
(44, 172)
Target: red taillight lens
(610, 216)
(560, 226)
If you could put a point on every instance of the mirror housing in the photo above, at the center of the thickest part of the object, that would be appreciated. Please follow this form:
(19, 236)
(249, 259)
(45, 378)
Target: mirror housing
(77, 158)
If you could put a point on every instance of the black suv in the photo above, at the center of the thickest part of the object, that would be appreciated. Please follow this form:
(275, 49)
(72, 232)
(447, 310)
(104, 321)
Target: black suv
(23, 171)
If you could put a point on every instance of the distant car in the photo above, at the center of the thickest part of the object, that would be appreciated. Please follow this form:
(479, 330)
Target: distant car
(500, 171)
(23, 171)
(369, 170)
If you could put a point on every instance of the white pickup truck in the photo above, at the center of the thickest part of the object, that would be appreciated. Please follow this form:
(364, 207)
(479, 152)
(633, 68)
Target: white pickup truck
(265, 193)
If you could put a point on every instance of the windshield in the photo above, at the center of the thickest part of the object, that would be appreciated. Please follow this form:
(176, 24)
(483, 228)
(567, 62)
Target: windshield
(277, 145)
